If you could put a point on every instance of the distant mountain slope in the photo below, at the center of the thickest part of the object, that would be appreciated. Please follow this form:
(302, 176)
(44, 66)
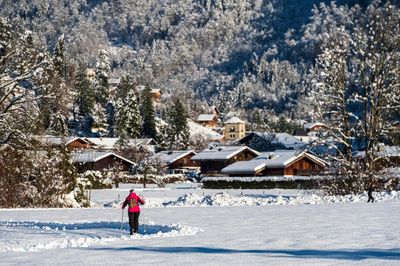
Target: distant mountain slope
(232, 53)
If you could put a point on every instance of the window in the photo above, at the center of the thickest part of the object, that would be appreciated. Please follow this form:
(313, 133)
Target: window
(232, 129)
(232, 136)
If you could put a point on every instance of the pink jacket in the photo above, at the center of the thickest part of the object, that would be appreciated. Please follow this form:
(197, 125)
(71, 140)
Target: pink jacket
(133, 201)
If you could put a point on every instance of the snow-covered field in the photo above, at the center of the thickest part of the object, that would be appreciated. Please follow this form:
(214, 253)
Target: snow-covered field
(185, 225)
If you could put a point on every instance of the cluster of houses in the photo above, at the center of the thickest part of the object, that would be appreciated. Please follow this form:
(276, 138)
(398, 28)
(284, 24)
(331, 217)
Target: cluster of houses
(231, 150)
(228, 154)
(99, 154)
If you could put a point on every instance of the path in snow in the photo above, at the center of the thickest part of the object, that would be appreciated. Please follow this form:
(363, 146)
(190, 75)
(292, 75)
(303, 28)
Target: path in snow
(34, 235)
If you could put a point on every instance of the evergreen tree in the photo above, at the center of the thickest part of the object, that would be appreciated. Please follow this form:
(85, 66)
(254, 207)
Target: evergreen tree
(59, 57)
(101, 85)
(84, 94)
(177, 133)
(58, 125)
(99, 116)
(147, 108)
(128, 120)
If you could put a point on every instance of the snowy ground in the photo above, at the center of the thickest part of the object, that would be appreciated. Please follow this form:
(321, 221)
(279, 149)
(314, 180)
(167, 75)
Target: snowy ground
(185, 225)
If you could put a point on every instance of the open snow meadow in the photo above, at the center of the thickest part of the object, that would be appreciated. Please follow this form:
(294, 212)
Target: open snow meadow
(185, 225)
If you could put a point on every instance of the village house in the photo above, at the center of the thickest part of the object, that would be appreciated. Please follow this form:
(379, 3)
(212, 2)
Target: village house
(109, 144)
(278, 163)
(387, 157)
(264, 141)
(235, 129)
(100, 161)
(213, 160)
(156, 94)
(315, 127)
(71, 143)
(179, 161)
(207, 120)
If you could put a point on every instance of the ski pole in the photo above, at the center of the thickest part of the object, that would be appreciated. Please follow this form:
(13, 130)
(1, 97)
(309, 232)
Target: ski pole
(122, 219)
(144, 224)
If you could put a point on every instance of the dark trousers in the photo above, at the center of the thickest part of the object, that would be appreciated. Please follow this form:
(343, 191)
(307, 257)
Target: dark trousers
(370, 198)
(134, 221)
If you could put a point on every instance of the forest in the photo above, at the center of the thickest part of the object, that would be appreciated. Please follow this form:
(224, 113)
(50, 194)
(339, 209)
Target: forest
(273, 63)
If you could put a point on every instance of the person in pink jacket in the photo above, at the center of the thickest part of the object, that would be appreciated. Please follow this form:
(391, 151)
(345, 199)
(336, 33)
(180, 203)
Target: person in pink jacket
(133, 202)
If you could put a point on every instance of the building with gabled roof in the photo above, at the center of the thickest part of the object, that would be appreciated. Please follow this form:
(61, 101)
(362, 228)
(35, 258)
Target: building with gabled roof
(99, 161)
(278, 163)
(314, 126)
(207, 120)
(72, 143)
(179, 161)
(264, 141)
(214, 159)
(113, 143)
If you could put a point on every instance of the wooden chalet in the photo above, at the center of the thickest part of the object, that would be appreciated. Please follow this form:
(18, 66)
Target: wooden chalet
(100, 161)
(179, 161)
(315, 126)
(72, 143)
(278, 163)
(207, 120)
(213, 160)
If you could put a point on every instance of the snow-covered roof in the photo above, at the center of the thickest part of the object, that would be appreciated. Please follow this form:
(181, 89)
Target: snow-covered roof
(221, 153)
(114, 81)
(280, 158)
(387, 151)
(314, 124)
(207, 133)
(171, 156)
(205, 117)
(244, 167)
(110, 143)
(155, 91)
(276, 159)
(235, 120)
(56, 141)
(286, 140)
(94, 156)
(106, 143)
(140, 142)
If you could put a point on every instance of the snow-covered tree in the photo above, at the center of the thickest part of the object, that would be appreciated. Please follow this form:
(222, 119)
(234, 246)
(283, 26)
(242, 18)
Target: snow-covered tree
(22, 69)
(99, 117)
(128, 119)
(59, 57)
(148, 114)
(149, 167)
(375, 48)
(358, 86)
(101, 83)
(176, 134)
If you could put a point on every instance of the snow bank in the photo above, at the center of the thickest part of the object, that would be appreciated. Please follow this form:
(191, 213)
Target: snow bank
(34, 236)
(225, 199)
